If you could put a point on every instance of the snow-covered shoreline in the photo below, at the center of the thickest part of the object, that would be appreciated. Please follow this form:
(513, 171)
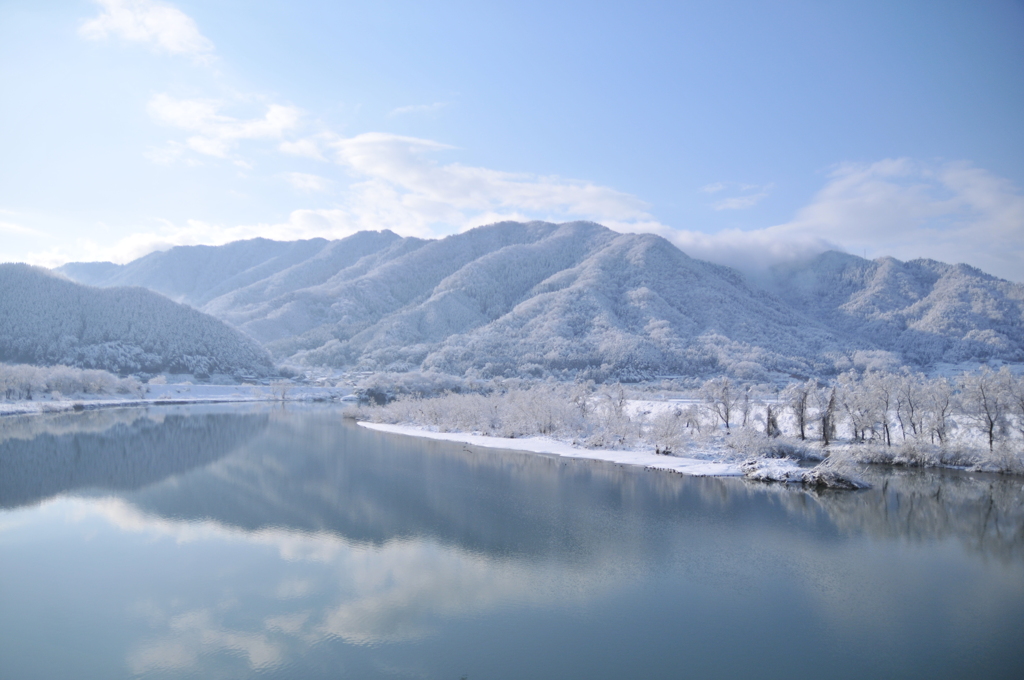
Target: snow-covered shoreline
(553, 447)
(169, 395)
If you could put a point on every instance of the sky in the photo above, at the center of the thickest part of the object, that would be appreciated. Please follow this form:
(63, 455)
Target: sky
(747, 133)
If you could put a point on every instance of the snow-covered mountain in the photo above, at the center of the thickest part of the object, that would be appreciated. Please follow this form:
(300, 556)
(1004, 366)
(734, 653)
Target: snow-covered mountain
(576, 299)
(923, 311)
(46, 319)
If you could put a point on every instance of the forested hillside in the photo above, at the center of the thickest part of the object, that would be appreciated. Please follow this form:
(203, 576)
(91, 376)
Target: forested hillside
(47, 320)
(577, 299)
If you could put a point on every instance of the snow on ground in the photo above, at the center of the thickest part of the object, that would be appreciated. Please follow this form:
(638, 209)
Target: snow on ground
(546, 445)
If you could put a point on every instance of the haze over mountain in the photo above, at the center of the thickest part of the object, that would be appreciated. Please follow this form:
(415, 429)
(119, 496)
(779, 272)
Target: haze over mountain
(577, 299)
(46, 319)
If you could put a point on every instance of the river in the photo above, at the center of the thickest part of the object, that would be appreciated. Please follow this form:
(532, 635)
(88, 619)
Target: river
(281, 541)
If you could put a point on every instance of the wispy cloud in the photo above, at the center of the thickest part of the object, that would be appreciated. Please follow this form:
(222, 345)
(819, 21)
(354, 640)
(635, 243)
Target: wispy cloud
(218, 133)
(418, 108)
(164, 27)
(741, 202)
(12, 228)
(748, 195)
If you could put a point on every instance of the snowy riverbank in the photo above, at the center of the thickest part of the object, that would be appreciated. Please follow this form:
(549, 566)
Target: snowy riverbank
(170, 394)
(553, 447)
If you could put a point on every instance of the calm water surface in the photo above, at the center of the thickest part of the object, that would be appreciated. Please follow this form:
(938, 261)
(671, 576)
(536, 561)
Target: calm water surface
(242, 541)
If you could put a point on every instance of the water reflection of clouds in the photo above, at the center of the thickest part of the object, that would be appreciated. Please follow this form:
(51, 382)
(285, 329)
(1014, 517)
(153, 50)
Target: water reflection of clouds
(194, 634)
(361, 594)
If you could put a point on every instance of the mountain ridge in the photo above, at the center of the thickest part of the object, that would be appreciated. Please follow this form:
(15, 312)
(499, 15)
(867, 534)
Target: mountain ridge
(577, 299)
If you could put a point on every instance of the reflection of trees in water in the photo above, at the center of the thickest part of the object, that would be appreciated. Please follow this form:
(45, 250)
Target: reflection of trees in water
(983, 511)
(111, 450)
(309, 471)
(98, 420)
(312, 473)
(326, 476)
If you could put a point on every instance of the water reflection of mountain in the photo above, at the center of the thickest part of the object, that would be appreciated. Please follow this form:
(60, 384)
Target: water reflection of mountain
(314, 474)
(114, 450)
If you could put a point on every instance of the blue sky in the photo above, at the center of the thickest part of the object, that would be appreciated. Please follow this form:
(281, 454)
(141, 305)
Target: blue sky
(745, 132)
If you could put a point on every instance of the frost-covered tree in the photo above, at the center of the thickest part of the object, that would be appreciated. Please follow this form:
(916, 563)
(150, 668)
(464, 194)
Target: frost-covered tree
(797, 397)
(720, 396)
(827, 412)
(984, 399)
(30, 382)
(908, 400)
(880, 389)
(939, 399)
(1015, 397)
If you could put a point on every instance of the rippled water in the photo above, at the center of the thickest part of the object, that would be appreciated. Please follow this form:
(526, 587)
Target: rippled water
(242, 541)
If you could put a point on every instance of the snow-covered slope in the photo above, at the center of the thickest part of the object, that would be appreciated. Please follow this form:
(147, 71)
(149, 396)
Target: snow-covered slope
(577, 298)
(923, 311)
(46, 320)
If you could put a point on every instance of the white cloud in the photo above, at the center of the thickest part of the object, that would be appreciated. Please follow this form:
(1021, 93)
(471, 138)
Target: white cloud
(308, 183)
(396, 186)
(753, 250)
(400, 168)
(161, 25)
(310, 147)
(712, 188)
(418, 108)
(218, 133)
(953, 212)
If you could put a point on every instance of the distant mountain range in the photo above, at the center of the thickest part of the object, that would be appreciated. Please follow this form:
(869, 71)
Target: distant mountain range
(577, 299)
(46, 319)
